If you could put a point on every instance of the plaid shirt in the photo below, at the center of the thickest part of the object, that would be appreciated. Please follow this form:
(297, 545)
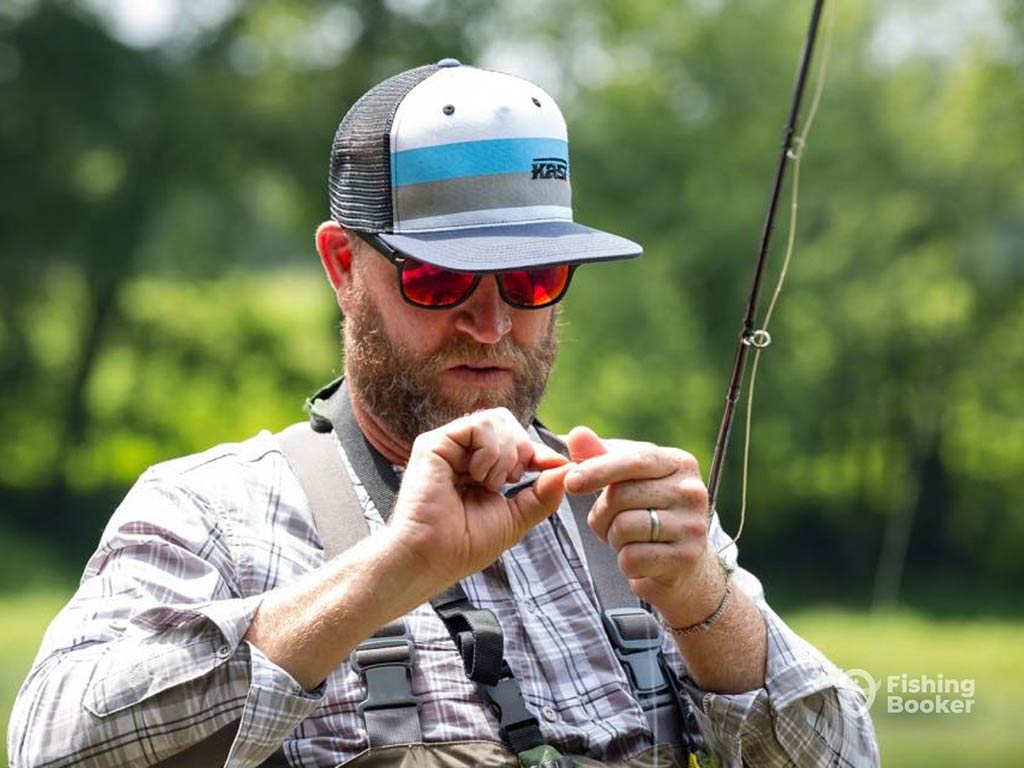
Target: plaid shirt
(148, 656)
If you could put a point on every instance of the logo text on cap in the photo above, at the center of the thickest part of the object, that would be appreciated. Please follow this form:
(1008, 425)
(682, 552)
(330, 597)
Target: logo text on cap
(550, 168)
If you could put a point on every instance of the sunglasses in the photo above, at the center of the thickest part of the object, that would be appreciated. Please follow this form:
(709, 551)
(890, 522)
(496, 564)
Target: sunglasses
(424, 285)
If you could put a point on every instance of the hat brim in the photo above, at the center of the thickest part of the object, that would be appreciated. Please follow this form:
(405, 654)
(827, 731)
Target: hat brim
(512, 246)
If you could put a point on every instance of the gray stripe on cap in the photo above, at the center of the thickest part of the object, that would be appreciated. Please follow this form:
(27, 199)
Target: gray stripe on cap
(471, 220)
(437, 199)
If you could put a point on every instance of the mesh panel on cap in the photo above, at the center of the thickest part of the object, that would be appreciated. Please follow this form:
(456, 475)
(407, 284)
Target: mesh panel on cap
(359, 181)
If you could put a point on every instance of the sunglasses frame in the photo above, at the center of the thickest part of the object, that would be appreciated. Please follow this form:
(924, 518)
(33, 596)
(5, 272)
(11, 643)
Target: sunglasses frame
(399, 261)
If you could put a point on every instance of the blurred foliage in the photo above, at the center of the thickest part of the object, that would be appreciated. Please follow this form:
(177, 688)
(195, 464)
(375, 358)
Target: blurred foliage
(161, 293)
(886, 644)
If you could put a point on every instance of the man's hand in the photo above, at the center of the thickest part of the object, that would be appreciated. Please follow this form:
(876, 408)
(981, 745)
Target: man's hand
(450, 516)
(677, 573)
(450, 520)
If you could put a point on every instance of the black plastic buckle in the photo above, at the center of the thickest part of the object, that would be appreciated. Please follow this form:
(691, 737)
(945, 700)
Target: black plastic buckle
(385, 663)
(516, 724)
(506, 701)
(640, 656)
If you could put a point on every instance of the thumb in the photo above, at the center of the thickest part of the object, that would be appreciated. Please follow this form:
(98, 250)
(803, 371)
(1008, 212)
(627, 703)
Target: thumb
(538, 501)
(584, 444)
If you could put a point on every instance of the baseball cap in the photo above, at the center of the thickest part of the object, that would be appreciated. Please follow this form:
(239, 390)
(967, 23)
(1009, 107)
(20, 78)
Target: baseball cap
(463, 168)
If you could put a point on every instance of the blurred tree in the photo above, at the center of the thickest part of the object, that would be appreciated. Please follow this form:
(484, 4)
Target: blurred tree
(152, 195)
(184, 159)
(908, 260)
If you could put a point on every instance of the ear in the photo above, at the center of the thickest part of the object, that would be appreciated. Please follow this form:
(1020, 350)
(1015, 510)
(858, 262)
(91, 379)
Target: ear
(334, 247)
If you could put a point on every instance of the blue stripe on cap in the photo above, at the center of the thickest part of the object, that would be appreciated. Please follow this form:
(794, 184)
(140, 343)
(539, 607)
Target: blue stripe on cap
(472, 158)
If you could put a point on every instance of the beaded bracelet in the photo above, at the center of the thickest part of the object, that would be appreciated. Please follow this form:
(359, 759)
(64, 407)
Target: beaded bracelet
(702, 626)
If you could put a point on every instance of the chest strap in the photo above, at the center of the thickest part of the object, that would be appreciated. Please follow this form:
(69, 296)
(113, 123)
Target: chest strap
(384, 661)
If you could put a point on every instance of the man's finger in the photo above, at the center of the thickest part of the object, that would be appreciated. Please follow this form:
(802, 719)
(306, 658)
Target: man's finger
(545, 457)
(538, 501)
(647, 462)
(583, 444)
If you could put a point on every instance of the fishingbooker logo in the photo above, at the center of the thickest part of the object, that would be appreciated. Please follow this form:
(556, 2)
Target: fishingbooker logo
(550, 168)
(917, 694)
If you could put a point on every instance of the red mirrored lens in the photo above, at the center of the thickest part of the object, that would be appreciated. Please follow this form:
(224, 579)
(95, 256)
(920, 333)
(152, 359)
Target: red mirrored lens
(535, 287)
(432, 286)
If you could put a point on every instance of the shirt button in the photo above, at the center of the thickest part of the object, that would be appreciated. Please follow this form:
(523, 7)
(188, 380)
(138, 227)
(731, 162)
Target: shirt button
(223, 652)
(530, 606)
(549, 714)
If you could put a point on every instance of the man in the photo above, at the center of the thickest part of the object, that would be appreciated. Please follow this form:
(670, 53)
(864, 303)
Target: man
(210, 622)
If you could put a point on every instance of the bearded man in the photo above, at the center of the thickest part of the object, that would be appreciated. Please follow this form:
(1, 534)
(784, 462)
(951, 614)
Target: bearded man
(423, 575)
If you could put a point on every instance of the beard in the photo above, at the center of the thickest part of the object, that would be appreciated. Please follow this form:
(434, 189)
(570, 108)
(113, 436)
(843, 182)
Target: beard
(401, 389)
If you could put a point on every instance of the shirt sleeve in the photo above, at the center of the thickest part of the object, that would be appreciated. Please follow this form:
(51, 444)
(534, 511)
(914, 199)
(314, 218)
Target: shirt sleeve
(148, 657)
(807, 713)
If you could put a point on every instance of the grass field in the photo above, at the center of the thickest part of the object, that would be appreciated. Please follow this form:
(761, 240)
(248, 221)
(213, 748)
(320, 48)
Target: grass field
(991, 653)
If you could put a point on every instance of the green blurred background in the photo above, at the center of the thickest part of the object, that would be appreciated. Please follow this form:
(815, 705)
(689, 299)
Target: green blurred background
(163, 168)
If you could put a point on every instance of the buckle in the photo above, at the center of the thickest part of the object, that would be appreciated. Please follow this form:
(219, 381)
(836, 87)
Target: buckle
(385, 663)
(636, 639)
(506, 701)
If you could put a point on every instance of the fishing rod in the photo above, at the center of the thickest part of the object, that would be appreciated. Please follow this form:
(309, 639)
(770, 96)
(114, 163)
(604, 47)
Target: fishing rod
(749, 337)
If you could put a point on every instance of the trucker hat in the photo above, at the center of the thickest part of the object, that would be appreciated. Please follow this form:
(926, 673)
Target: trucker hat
(463, 168)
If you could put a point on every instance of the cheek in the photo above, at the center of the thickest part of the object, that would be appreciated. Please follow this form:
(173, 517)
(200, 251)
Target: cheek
(529, 327)
(419, 331)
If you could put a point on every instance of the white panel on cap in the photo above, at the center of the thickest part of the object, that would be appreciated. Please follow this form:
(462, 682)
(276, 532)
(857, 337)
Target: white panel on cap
(488, 105)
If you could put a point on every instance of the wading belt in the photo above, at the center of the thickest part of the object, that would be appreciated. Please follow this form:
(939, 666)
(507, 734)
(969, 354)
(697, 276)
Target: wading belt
(385, 660)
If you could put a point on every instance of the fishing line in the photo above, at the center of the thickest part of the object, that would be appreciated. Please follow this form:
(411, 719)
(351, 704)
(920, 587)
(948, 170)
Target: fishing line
(760, 338)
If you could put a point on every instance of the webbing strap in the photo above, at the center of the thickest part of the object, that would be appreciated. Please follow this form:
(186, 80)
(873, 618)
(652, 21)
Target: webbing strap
(331, 407)
(612, 589)
(475, 631)
(633, 632)
(337, 513)
(391, 710)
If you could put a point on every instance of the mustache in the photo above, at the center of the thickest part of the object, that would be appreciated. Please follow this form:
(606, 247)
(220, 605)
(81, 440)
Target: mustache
(504, 353)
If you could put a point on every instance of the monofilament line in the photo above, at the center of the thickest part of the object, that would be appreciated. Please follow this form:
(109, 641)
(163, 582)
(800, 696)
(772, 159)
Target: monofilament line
(796, 154)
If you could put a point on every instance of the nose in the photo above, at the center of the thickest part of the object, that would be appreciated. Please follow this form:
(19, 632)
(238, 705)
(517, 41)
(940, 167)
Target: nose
(484, 316)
